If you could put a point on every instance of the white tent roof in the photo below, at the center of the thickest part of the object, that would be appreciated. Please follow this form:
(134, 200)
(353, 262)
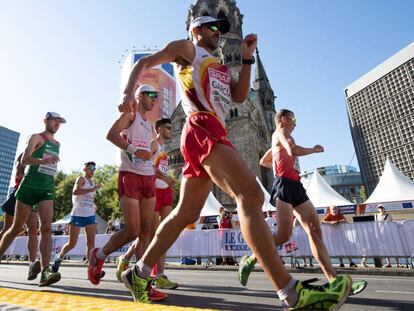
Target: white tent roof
(266, 205)
(323, 195)
(211, 207)
(393, 186)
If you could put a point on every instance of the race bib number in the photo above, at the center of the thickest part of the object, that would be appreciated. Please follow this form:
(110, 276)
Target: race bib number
(219, 89)
(141, 145)
(87, 200)
(48, 169)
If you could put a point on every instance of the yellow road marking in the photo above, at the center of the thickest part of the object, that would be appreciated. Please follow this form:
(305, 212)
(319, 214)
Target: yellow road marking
(47, 301)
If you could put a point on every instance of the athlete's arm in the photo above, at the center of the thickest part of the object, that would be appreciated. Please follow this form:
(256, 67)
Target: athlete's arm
(114, 135)
(267, 159)
(240, 88)
(35, 142)
(158, 174)
(181, 52)
(80, 182)
(19, 166)
(292, 149)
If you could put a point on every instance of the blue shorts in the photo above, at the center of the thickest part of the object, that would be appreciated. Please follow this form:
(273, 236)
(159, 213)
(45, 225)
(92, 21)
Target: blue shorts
(82, 221)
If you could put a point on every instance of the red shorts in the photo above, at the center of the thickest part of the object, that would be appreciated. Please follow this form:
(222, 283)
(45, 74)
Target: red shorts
(136, 186)
(163, 197)
(201, 132)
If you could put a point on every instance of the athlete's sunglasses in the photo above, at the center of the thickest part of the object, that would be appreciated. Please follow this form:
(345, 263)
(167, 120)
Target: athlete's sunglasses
(152, 95)
(212, 26)
(293, 120)
(91, 168)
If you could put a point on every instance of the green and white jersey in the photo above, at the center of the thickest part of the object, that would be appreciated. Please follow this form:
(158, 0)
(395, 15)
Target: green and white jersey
(43, 176)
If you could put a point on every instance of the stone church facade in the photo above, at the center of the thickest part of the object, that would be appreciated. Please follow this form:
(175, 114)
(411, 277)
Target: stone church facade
(250, 124)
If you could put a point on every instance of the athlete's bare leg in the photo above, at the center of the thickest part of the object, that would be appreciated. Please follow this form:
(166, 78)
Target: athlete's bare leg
(8, 221)
(90, 231)
(32, 241)
(146, 215)
(130, 210)
(21, 214)
(164, 212)
(73, 239)
(231, 174)
(306, 214)
(193, 194)
(45, 212)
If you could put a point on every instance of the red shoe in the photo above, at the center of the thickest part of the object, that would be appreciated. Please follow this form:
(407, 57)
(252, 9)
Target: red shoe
(155, 295)
(95, 267)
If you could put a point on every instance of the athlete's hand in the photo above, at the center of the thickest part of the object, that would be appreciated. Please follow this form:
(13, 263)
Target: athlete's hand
(318, 149)
(248, 45)
(170, 181)
(51, 160)
(98, 186)
(128, 104)
(143, 154)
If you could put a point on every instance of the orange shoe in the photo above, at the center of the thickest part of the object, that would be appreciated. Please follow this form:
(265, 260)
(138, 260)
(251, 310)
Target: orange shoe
(155, 295)
(95, 267)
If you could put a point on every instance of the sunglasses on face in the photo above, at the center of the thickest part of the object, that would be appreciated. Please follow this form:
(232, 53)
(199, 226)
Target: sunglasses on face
(91, 168)
(152, 95)
(213, 27)
(293, 119)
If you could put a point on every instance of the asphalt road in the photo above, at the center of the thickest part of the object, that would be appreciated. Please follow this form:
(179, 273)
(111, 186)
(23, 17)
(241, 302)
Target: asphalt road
(216, 289)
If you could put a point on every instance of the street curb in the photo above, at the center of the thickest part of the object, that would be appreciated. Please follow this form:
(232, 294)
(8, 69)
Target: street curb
(316, 270)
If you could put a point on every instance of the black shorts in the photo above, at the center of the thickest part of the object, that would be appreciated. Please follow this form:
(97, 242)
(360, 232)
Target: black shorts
(288, 191)
(9, 205)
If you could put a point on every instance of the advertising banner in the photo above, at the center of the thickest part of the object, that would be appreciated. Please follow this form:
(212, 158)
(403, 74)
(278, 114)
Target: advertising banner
(161, 78)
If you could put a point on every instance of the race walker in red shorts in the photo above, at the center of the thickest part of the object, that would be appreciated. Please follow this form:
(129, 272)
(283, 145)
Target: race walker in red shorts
(207, 92)
(132, 133)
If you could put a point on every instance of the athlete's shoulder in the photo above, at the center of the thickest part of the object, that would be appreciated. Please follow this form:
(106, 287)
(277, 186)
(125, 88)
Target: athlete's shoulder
(183, 51)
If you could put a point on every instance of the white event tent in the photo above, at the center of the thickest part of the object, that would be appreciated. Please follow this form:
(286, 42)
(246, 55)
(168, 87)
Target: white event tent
(266, 204)
(393, 186)
(323, 195)
(211, 207)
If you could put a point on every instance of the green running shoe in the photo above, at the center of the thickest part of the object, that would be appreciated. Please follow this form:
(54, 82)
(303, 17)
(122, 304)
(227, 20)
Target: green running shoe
(357, 287)
(138, 286)
(246, 266)
(164, 283)
(34, 270)
(122, 264)
(48, 277)
(326, 297)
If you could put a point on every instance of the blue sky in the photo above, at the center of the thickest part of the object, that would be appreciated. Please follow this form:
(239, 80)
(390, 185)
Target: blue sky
(63, 56)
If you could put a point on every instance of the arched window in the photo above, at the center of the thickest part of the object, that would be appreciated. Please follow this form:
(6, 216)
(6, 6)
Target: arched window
(231, 114)
(221, 14)
(236, 114)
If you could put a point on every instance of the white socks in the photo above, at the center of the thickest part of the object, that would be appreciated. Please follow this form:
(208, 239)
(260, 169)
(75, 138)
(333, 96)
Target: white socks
(288, 293)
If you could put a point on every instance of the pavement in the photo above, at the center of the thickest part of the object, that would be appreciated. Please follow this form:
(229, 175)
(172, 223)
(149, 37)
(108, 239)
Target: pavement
(393, 271)
(214, 288)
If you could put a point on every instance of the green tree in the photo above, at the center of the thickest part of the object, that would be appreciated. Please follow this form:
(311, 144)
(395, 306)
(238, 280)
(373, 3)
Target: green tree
(106, 198)
(63, 199)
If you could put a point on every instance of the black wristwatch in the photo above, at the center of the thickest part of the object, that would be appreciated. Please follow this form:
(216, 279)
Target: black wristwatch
(247, 61)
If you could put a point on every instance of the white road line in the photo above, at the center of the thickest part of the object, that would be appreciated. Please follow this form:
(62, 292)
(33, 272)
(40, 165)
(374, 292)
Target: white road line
(394, 292)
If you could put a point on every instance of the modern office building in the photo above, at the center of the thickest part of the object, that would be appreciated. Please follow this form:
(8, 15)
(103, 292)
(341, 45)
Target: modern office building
(8, 145)
(381, 116)
(344, 179)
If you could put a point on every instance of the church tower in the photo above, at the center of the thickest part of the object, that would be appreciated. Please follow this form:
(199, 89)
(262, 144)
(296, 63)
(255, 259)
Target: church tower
(266, 95)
